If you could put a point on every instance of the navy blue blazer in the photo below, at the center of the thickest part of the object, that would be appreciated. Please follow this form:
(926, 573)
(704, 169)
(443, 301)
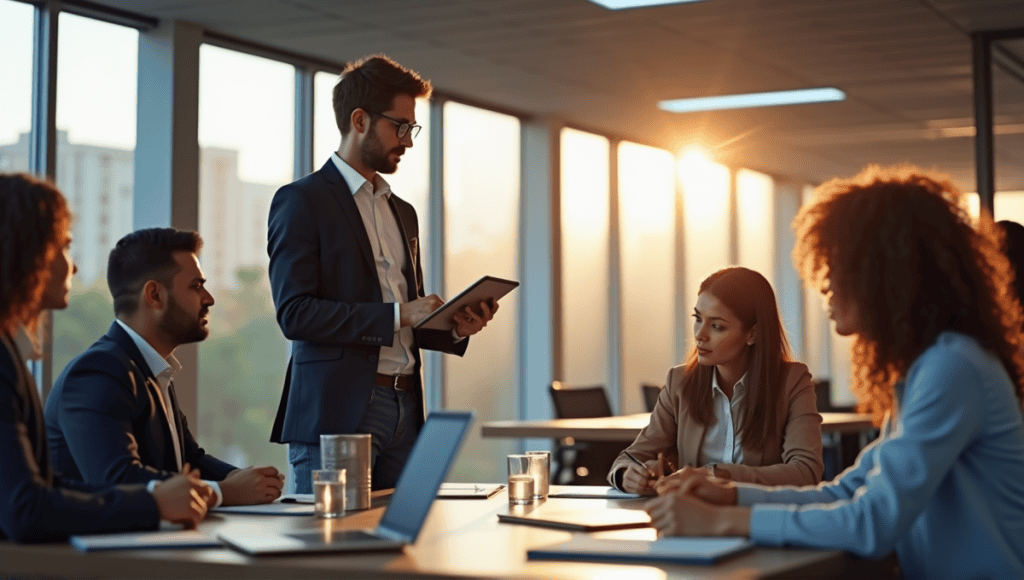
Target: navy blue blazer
(329, 303)
(105, 423)
(36, 505)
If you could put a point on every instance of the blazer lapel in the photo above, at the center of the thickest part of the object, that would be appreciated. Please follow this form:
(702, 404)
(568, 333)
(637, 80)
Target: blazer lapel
(412, 284)
(167, 460)
(348, 207)
(32, 413)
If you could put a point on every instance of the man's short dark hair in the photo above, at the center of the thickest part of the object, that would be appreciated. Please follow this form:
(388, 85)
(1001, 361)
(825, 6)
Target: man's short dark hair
(145, 255)
(371, 84)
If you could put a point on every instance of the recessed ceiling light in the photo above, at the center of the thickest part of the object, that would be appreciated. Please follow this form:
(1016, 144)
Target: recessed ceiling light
(622, 4)
(820, 95)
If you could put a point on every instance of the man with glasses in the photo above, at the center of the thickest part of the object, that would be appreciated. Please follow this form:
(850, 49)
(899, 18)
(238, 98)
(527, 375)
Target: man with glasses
(348, 287)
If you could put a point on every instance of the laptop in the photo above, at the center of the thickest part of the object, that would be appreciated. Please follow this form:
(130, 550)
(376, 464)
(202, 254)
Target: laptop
(431, 459)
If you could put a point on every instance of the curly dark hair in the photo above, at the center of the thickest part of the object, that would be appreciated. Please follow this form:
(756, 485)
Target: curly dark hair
(900, 246)
(749, 296)
(34, 222)
(371, 84)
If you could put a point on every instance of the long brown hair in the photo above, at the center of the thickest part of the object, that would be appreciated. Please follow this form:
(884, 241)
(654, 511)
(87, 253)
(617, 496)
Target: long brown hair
(749, 296)
(901, 248)
(34, 219)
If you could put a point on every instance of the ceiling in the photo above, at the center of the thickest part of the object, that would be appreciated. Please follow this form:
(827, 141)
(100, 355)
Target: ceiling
(905, 66)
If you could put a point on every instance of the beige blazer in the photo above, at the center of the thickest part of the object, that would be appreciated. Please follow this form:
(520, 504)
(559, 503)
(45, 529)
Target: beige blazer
(797, 461)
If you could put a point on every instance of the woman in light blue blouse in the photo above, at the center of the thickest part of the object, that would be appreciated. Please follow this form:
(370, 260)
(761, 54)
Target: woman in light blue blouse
(936, 357)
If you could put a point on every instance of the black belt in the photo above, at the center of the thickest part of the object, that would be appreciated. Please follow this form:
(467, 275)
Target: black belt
(397, 382)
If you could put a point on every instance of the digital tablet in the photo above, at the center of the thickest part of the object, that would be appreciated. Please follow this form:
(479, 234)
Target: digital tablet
(485, 288)
(582, 520)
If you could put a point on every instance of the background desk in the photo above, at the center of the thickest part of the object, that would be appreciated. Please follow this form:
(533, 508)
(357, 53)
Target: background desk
(461, 539)
(625, 428)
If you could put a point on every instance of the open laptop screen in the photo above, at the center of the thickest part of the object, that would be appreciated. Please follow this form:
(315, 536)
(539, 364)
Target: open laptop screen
(431, 458)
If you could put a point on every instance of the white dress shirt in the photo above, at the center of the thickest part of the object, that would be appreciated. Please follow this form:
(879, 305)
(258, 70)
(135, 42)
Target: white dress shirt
(388, 246)
(722, 443)
(164, 370)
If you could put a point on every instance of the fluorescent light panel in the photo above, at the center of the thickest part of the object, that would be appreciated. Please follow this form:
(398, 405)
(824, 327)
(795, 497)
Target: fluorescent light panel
(622, 4)
(749, 100)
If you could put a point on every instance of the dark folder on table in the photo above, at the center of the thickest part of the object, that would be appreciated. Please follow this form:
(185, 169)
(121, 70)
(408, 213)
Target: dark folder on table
(690, 550)
(581, 520)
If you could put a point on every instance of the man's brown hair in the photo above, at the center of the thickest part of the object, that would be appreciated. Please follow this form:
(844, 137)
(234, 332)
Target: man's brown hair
(371, 84)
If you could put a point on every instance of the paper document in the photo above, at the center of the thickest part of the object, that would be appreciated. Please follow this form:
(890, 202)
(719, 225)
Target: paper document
(590, 492)
(144, 541)
(692, 550)
(468, 490)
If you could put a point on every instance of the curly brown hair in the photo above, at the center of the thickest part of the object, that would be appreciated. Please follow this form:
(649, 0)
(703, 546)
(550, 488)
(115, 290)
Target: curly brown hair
(34, 221)
(900, 246)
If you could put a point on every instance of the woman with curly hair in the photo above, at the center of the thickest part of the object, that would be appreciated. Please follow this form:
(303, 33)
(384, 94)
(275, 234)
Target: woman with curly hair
(936, 358)
(739, 407)
(35, 274)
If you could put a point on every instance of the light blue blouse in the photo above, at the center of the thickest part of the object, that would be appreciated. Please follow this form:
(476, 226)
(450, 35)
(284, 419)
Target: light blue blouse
(943, 485)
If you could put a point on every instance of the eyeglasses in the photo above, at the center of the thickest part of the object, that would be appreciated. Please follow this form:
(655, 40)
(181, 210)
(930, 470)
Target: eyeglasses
(401, 126)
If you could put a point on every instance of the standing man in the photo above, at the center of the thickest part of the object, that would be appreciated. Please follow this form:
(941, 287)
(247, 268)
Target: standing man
(348, 286)
(112, 416)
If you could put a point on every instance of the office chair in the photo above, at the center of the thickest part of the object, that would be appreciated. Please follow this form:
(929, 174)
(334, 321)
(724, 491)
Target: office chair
(581, 462)
(838, 450)
(651, 393)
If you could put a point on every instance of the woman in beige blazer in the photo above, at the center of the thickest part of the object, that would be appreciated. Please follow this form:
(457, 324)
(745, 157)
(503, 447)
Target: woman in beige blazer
(738, 406)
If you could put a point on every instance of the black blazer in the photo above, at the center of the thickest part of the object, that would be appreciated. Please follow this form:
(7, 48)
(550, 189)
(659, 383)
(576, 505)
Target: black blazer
(328, 301)
(105, 423)
(33, 507)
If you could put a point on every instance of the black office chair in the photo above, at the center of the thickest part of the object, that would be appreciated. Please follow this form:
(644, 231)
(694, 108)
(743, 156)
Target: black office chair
(581, 462)
(651, 393)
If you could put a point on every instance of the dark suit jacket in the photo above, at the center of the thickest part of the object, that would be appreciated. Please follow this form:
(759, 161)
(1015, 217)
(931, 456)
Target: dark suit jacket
(105, 423)
(33, 507)
(328, 300)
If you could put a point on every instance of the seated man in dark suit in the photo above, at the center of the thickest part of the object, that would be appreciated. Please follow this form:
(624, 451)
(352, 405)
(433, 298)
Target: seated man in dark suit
(112, 416)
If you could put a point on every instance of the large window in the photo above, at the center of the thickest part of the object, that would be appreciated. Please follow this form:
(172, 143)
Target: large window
(706, 228)
(585, 249)
(481, 175)
(96, 98)
(647, 242)
(16, 95)
(247, 152)
(755, 222)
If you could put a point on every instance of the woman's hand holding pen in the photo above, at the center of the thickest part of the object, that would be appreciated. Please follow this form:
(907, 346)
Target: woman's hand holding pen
(641, 477)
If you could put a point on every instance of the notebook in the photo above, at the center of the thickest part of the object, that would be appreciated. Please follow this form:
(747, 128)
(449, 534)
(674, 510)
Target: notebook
(691, 550)
(581, 520)
(431, 459)
(165, 539)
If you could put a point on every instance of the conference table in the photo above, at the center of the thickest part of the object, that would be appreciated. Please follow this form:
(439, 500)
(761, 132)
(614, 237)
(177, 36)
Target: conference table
(462, 538)
(625, 428)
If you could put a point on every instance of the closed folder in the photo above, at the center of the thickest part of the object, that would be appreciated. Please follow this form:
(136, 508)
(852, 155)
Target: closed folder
(689, 550)
(581, 520)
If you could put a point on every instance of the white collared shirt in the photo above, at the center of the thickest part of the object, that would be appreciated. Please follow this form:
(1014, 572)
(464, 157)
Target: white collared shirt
(388, 246)
(722, 443)
(164, 370)
(28, 346)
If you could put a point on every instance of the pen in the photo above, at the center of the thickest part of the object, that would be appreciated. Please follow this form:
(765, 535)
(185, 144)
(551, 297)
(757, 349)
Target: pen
(640, 463)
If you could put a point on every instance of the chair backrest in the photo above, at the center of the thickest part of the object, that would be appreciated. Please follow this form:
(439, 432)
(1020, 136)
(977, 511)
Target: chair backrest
(823, 392)
(579, 402)
(651, 393)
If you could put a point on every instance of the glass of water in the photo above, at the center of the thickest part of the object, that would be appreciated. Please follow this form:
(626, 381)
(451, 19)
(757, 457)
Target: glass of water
(329, 493)
(521, 482)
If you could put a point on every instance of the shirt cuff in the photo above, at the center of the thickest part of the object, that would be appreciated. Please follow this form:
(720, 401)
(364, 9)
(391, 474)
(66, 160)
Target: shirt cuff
(458, 338)
(217, 495)
(398, 317)
(768, 524)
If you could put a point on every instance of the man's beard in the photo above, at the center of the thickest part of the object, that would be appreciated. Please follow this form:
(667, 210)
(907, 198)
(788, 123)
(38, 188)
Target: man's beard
(180, 326)
(373, 155)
